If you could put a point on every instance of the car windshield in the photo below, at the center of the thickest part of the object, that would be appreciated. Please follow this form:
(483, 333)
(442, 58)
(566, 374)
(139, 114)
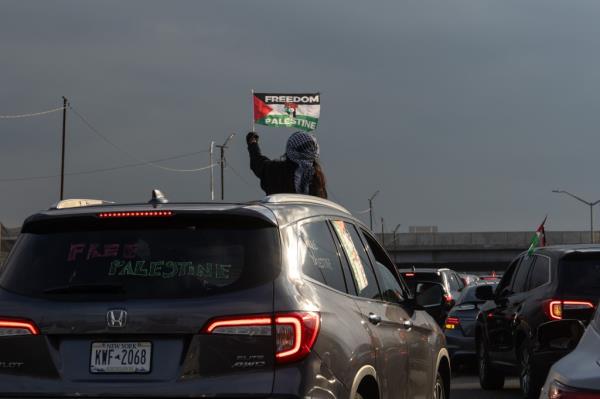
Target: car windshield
(185, 260)
(468, 294)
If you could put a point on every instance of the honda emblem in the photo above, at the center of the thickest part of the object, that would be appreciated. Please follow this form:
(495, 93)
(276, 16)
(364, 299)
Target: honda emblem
(116, 318)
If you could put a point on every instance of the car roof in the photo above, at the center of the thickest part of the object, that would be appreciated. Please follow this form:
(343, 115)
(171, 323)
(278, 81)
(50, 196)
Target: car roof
(561, 250)
(423, 270)
(278, 209)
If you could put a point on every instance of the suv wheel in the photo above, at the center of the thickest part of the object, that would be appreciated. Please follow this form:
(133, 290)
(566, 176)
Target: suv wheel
(439, 392)
(489, 378)
(528, 377)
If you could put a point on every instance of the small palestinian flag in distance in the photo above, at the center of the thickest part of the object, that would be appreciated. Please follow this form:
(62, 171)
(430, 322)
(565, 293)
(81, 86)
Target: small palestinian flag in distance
(298, 111)
(539, 239)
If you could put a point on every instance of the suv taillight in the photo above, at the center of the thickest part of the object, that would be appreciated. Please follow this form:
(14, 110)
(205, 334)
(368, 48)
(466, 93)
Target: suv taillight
(559, 391)
(10, 327)
(295, 332)
(452, 323)
(557, 308)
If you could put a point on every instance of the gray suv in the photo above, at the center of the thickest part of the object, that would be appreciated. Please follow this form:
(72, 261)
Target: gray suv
(287, 297)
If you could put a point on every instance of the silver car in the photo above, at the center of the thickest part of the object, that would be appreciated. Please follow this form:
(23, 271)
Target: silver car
(288, 297)
(576, 375)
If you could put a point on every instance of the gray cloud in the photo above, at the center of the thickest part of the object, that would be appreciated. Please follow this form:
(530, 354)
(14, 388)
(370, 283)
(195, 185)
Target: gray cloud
(464, 113)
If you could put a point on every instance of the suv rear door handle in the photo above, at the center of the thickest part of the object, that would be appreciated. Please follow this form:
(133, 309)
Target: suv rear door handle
(374, 319)
(406, 324)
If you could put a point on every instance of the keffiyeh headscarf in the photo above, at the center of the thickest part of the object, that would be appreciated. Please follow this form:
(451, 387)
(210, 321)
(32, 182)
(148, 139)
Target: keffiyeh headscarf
(303, 150)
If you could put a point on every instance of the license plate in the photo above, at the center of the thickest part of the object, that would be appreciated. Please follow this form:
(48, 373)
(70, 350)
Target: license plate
(120, 357)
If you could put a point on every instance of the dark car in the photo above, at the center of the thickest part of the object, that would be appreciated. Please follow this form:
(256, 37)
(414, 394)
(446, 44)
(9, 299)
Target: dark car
(286, 297)
(451, 281)
(459, 326)
(552, 283)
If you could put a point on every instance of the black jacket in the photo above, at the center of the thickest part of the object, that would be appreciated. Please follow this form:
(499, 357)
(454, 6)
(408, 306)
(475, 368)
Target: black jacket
(277, 177)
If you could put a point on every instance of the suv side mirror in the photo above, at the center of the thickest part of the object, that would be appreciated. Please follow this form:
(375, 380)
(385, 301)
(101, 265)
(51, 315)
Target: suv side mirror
(484, 292)
(560, 335)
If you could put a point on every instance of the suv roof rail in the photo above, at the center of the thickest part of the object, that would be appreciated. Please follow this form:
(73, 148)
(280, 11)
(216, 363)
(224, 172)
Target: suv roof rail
(79, 202)
(300, 198)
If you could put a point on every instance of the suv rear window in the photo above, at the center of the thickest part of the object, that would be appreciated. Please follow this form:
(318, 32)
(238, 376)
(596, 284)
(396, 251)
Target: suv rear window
(411, 278)
(142, 260)
(580, 276)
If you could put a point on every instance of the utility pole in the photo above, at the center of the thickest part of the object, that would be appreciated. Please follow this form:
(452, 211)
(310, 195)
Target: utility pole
(222, 147)
(62, 161)
(371, 209)
(212, 174)
(382, 233)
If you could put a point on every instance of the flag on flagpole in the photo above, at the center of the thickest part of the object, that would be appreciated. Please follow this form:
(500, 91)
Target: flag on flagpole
(539, 238)
(299, 111)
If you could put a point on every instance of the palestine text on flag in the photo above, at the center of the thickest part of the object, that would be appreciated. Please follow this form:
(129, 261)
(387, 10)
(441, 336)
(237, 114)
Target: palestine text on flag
(539, 239)
(300, 111)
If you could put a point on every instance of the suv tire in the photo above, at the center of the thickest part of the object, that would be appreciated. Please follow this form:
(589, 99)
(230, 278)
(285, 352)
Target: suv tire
(489, 378)
(439, 388)
(529, 378)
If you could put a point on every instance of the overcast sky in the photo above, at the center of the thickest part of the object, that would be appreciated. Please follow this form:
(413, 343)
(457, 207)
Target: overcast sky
(465, 114)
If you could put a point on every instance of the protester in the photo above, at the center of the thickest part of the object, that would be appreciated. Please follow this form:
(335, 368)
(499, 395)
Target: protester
(297, 172)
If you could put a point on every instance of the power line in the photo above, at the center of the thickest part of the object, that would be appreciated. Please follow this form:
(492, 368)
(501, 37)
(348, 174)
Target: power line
(143, 161)
(32, 114)
(87, 172)
(237, 173)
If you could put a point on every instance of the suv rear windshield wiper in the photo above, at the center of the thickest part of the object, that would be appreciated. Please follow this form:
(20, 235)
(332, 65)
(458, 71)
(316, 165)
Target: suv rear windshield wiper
(86, 288)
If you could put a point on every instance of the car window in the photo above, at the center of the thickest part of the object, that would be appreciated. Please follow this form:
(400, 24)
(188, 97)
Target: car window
(319, 256)
(504, 287)
(459, 280)
(540, 273)
(364, 277)
(386, 271)
(124, 259)
(520, 280)
(390, 288)
(454, 286)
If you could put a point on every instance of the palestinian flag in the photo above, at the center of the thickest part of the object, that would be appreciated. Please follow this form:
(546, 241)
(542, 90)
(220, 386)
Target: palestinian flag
(298, 111)
(539, 239)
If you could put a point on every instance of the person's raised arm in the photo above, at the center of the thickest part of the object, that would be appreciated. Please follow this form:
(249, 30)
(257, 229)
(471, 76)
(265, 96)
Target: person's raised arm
(258, 161)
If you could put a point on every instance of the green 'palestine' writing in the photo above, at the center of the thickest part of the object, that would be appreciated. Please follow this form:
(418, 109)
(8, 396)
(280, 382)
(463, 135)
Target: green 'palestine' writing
(169, 269)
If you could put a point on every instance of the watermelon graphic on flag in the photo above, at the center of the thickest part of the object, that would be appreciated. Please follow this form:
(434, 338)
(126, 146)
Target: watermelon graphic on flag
(298, 111)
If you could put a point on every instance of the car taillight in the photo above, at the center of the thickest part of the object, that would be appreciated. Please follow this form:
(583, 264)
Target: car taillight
(560, 391)
(10, 327)
(448, 298)
(556, 308)
(451, 323)
(295, 332)
(409, 274)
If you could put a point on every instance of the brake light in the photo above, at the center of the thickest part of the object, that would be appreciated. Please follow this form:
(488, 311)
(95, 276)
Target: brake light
(559, 391)
(556, 308)
(295, 332)
(451, 323)
(448, 298)
(409, 274)
(11, 327)
(136, 214)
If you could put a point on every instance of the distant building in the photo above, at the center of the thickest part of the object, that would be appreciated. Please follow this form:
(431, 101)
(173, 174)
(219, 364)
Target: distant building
(422, 229)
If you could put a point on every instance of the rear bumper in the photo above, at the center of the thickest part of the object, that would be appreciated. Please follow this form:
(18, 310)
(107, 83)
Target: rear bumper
(458, 345)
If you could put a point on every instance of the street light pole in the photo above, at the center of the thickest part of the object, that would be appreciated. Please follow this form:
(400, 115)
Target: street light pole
(222, 147)
(395, 230)
(371, 209)
(588, 203)
(382, 233)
